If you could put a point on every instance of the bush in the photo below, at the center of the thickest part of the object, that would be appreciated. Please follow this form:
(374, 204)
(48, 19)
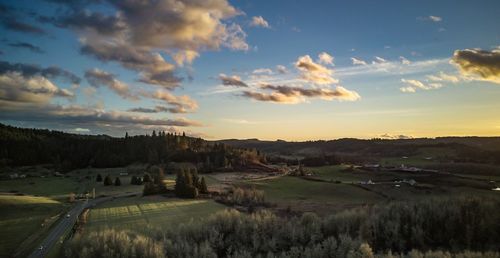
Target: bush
(203, 186)
(187, 184)
(364, 232)
(135, 180)
(118, 182)
(108, 180)
(146, 178)
(244, 197)
(111, 243)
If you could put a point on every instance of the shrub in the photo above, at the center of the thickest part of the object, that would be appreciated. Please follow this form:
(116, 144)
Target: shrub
(108, 180)
(111, 243)
(146, 178)
(135, 180)
(244, 197)
(187, 184)
(203, 186)
(363, 232)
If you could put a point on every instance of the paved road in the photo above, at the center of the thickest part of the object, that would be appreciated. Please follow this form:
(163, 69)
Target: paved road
(67, 223)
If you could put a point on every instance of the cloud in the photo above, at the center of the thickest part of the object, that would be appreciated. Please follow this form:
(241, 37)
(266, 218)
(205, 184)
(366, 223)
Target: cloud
(9, 19)
(28, 70)
(185, 56)
(180, 104)
(137, 33)
(176, 24)
(156, 109)
(435, 18)
(404, 60)
(379, 60)
(25, 45)
(176, 104)
(325, 58)
(394, 67)
(272, 97)
(259, 21)
(482, 64)
(16, 87)
(431, 18)
(88, 21)
(408, 89)
(235, 38)
(443, 77)
(281, 69)
(98, 78)
(413, 85)
(395, 137)
(232, 80)
(262, 71)
(79, 116)
(314, 72)
(152, 67)
(293, 95)
(356, 61)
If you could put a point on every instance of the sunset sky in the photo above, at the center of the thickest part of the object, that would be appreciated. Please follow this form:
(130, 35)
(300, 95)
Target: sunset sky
(292, 70)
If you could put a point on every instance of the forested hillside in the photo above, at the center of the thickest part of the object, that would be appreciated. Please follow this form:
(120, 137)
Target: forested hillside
(452, 149)
(21, 146)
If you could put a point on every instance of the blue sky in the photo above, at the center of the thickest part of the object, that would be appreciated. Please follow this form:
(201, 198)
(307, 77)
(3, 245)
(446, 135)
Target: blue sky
(388, 68)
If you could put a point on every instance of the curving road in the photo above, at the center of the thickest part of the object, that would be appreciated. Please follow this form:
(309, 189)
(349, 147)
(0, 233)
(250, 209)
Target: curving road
(66, 223)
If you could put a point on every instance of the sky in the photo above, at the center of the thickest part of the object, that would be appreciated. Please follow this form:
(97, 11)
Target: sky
(218, 69)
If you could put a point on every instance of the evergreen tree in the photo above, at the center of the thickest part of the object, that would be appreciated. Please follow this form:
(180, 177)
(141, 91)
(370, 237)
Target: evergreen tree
(117, 181)
(188, 177)
(180, 183)
(203, 186)
(146, 178)
(108, 180)
(98, 178)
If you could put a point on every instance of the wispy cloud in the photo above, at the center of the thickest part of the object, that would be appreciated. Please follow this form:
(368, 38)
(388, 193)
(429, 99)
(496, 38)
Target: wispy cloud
(259, 21)
(431, 18)
(28, 46)
(232, 80)
(414, 85)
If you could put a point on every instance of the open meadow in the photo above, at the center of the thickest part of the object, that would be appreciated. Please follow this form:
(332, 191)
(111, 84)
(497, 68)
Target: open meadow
(149, 214)
(23, 218)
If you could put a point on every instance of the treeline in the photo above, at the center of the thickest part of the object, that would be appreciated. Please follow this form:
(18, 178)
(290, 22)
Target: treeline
(66, 151)
(348, 150)
(465, 227)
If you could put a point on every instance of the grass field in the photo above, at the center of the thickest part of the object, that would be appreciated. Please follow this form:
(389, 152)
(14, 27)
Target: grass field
(424, 156)
(149, 214)
(320, 197)
(49, 186)
(338, 173)
(23, 216)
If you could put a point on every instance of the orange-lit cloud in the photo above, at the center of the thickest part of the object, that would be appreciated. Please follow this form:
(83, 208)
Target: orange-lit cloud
(314, 72)
(293, 95)
(481, 63)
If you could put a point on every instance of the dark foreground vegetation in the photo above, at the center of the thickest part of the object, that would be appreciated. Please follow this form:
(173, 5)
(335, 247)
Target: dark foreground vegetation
(464, 227)
(22, 147)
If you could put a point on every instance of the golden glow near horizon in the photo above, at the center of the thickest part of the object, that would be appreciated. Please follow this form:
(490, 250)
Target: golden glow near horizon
(227, 69)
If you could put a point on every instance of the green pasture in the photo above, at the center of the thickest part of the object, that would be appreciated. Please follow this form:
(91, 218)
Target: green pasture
(22, 217)
(48, 186)
(315, 196)
(149, 214)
